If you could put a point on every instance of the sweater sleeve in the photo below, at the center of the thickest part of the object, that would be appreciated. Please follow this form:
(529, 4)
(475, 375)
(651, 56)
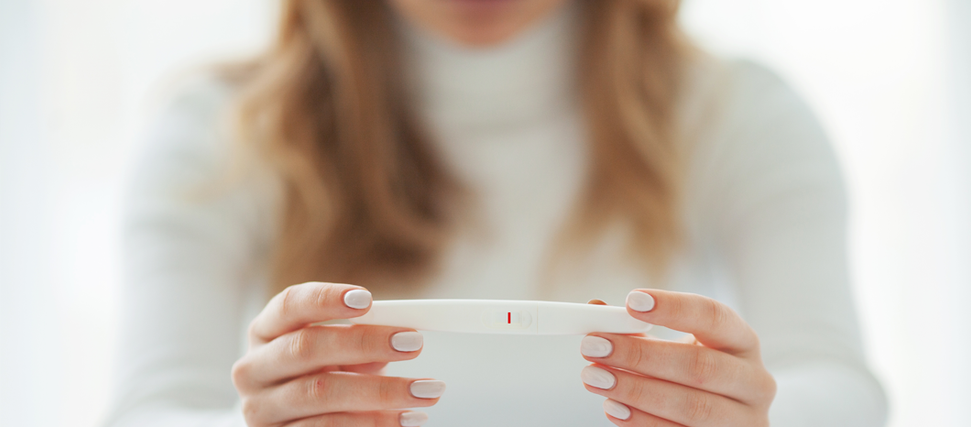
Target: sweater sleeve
(776, 203)
(191, 247)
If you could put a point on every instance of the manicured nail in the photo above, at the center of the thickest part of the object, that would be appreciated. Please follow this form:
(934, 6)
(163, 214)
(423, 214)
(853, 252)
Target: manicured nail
(640, 301)
(412, 419)
(406, 341)
(597, 377)
(357, 298)
(592, 346)
(615, 409)
(427, 389)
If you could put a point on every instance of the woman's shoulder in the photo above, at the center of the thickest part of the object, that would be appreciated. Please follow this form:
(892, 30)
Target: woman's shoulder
(189, 157)
(728, 92)
(753, 137)
(740, 109)
(189, 128)
(197, 103)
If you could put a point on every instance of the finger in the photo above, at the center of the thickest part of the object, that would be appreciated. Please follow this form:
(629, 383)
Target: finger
(342, 392)
(714, 324)
(373, 419)
(688, 339)
(300, 305)
(597, 301)
(673, 402)
(314, 347)
(622, 415)
(691, 365)
(374, 368)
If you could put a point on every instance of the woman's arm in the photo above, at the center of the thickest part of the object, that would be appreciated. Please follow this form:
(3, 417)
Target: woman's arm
(776, 199)
(768, 188)
(196, 236)
(191, 245)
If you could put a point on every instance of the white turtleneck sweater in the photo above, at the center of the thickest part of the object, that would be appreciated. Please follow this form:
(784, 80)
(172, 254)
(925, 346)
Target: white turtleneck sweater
(765, 217)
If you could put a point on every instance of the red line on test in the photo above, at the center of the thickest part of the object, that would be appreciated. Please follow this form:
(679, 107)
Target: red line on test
(509, 317)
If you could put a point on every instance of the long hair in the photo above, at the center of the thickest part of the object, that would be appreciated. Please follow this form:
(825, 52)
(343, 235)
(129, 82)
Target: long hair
(367, 200)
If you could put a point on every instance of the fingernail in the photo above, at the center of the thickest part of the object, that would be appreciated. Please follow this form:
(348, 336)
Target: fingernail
(597, 377)
(592, 346)
(427, 389)
(406, 341)
(615, 409)
(412, 419)
(357, 298)
(640, 301)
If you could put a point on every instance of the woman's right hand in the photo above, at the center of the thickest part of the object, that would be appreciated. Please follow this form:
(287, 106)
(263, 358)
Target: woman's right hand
(297, 374)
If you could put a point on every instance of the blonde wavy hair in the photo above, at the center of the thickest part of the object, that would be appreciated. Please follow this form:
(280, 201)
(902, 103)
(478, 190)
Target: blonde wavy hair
(366, 199)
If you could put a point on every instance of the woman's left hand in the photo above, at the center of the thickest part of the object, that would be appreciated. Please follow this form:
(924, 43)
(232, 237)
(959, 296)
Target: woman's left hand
(715, 379)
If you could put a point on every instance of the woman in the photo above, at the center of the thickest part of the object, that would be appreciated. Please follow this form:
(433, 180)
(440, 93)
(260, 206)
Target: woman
(504, 149)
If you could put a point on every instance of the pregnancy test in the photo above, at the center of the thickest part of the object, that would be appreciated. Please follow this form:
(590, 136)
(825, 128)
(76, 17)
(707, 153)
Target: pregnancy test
(502, 317)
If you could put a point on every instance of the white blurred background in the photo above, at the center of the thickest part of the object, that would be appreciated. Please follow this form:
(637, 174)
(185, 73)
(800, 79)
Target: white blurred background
(891, 80)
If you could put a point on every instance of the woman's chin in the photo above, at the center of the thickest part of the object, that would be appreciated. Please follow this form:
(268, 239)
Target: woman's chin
(475, 23)
(482, 6)
(484, 23)
(481, 37)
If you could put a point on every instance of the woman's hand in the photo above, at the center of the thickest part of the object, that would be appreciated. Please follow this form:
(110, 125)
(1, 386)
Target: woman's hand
(295, 374)
(716, 379)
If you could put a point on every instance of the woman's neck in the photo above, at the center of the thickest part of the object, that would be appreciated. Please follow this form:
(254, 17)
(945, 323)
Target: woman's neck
(518, 82)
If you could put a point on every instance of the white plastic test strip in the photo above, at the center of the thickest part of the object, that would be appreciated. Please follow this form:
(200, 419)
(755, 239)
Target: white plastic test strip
(502, 317)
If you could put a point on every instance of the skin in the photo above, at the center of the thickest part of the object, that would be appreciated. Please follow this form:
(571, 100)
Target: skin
(475, 23)
(298, 374)
(715, 377)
